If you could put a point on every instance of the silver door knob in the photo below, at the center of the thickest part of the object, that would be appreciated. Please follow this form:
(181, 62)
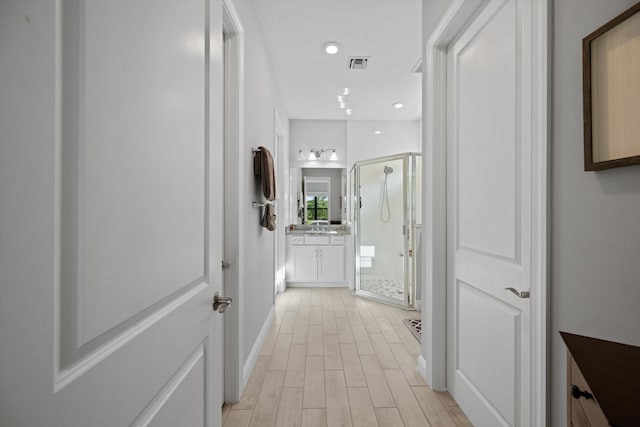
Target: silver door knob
(220, 304)
(225, 265)
(523, 294)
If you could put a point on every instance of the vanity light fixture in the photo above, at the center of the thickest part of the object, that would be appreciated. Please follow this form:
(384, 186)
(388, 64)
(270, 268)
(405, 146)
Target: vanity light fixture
(343, 105)
(345, 91)
(318, 154)
(301, 155)
(331, 48)
(397, 105)
(349, 111)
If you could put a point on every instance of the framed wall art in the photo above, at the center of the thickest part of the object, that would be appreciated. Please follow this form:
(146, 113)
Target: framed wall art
(611, 93)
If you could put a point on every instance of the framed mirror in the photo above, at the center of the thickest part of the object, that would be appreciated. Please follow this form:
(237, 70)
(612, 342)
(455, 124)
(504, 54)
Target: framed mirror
(317, 196)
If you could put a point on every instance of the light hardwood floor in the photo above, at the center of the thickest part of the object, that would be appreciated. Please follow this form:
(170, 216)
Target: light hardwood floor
(332, 359)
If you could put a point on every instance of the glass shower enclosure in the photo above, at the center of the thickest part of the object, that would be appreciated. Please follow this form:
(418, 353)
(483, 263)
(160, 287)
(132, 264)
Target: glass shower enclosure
(386, 211)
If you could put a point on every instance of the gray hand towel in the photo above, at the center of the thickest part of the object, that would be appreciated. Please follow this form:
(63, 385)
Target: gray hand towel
(264, 169)
(269, 218)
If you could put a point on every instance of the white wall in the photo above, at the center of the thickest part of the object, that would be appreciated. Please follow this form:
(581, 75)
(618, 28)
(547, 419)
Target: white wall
(398, 136)
(595, 234)
(307, 134)
(261, 96)
(595, 215)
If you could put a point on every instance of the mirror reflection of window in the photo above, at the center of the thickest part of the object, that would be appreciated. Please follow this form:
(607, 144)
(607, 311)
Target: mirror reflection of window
(317, 193)
(317, 207)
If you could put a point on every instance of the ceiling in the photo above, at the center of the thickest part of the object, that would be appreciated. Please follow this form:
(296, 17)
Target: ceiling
(388, 32)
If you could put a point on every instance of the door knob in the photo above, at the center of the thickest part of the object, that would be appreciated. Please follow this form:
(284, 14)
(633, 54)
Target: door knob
(523, 294)
(220, 304)
(225, 265)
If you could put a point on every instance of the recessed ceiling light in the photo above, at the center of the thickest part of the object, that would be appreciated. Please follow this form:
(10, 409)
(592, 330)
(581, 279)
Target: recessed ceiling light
(398, 105)
(340, 98)
(331, 48)
(349, 111)
(343, 105)
(377, 132)
(345, 91)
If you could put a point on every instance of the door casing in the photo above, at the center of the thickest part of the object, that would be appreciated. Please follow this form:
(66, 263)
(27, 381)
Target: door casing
(233, 214)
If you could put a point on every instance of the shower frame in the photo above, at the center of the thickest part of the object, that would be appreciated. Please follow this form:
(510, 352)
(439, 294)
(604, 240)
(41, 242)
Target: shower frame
(409, 228)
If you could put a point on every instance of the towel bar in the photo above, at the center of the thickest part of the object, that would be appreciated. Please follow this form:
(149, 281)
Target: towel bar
(262, 204)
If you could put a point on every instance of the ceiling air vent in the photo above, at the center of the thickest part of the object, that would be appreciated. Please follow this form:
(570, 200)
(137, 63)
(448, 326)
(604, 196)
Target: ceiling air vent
(358, 62)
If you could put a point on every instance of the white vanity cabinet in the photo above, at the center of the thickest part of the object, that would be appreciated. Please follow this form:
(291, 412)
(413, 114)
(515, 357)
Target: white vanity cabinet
(316, 260)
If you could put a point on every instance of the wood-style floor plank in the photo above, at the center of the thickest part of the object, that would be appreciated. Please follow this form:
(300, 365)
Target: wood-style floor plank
(314, 418)
(252, 389)
(294, 375)
(388, 417)
(280, 354)
(363, 342)
(338, 411)
(362, 413)
(315, 345)
(238, 418)
(314, 383)
(264, 415)
(353, 373)
(459, 418)
(385, 357)
(432, 407)
(378, 388)
(332, 356)
(290, 408)
(407, 404)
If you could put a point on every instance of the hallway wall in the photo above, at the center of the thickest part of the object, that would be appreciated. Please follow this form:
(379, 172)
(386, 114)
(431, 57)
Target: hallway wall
(595, 223)
(261, 96)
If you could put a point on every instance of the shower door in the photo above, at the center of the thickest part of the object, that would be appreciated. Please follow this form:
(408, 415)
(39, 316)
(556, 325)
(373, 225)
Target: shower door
(385, 217)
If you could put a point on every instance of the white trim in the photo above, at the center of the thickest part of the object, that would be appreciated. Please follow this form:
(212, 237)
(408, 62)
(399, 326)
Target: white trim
(282, 179)
(234, 214)
(422, 366)
(434, 200)
(318, 284)
(257, 347)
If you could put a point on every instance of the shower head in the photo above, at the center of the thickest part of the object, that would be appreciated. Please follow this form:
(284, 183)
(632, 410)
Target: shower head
(388, 170)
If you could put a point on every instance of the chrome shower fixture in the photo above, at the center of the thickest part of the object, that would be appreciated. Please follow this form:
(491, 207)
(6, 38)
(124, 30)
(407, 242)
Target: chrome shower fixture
(388, 170)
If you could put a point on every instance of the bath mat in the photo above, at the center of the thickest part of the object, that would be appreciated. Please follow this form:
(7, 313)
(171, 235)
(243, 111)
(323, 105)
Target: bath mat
(414, 326)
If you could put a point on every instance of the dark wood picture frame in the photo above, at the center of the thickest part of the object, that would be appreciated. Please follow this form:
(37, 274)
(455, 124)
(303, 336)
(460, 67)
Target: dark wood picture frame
(616, 121)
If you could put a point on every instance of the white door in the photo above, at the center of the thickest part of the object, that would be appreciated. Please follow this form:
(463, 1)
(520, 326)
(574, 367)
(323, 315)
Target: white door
(109, 247)
(490, 204)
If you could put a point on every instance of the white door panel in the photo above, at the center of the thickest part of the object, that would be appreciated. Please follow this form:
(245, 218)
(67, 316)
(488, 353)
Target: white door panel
(489, 232)
(140, 178)
(117, 326)
(487, 140)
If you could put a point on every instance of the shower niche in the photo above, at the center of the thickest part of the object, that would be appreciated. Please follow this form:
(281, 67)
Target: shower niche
(387, 217)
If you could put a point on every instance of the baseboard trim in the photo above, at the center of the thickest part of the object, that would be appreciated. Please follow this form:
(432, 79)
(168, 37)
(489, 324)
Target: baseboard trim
(422, 368)
(317, 284)
(257, 347)
(418, 305)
